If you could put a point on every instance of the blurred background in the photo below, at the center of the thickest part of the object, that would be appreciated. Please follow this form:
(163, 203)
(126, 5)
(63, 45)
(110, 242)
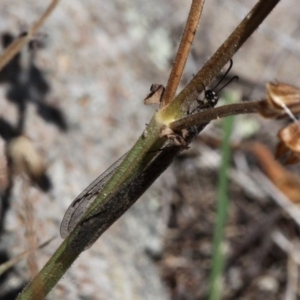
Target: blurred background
(72, 102)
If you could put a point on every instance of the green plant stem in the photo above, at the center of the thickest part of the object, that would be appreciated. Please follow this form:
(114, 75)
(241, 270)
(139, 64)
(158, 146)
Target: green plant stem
(51, 273)
(136, 160)
(222, 211)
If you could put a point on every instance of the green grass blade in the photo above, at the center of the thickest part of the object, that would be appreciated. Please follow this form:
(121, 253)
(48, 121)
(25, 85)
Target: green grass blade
(215, 290)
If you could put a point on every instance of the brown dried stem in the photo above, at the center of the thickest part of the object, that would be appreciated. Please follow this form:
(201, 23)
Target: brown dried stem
(183, 50)
(20, 42)
(216, 113)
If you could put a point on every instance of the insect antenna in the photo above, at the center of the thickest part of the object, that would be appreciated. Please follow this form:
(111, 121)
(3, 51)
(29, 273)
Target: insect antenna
(211, 95)
(233, 78)
(230, 66)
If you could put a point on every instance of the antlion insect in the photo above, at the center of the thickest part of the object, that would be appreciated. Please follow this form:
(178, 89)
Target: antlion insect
(127, 194)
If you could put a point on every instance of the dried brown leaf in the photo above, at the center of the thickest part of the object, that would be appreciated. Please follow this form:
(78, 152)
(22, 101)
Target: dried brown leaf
(289, 144)
(290, 136)
(282, 100)
(281, 93)
(286, 181)
(281, 150)
(155, 95)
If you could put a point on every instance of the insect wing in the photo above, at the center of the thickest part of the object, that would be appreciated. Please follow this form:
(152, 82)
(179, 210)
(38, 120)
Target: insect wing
(84, 200)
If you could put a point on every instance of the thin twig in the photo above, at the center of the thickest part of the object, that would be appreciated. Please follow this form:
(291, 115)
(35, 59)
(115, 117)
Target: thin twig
(30, 235)
(291, 248)
(216, 113)
(9, 264)
(183, 50)
(17, 45)
(278, 196)
(286, 245)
